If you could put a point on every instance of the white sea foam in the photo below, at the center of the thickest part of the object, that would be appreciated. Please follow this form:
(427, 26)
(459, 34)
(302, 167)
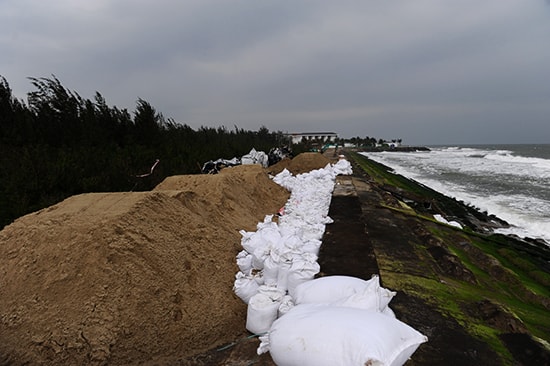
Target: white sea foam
(513, 187)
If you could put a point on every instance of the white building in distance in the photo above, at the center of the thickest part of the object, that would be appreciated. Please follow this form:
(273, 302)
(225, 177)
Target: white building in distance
(322, 136)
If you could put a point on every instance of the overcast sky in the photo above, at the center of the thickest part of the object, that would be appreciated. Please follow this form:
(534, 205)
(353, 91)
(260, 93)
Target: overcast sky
(425, 71)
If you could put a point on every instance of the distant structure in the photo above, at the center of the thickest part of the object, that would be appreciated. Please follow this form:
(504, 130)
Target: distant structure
(392, 144)
(322, 136)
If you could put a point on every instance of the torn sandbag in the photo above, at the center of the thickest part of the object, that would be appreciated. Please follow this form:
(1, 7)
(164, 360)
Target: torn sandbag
(245, 286)
(255, 157)
(214, 166)
(277, 154)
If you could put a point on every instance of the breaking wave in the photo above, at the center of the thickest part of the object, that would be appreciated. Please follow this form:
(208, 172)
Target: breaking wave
(509, 181)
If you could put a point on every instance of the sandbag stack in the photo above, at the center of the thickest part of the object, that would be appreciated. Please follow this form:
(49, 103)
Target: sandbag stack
(297, 315)
(255, 157)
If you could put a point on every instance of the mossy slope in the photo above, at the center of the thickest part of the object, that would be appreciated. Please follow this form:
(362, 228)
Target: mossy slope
(496, 287)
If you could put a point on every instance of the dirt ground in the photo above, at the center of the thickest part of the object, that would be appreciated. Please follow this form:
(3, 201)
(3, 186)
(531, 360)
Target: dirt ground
(303, 163)
(125, 278)
(133, 277)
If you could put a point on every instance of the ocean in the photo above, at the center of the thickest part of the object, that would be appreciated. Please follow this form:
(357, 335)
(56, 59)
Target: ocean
(509, 181)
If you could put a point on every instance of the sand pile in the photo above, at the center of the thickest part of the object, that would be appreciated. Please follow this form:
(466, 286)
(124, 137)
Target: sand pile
(302, 163)
(127, 278)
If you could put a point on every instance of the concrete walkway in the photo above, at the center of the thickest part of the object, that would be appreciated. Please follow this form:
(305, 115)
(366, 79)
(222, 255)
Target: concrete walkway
(346, 248)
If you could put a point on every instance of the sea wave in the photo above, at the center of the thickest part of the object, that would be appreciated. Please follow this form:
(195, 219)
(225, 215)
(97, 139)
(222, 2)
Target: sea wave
(501, 181)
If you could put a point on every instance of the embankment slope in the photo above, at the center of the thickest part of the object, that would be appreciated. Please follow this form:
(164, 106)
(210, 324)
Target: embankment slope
(132, 277)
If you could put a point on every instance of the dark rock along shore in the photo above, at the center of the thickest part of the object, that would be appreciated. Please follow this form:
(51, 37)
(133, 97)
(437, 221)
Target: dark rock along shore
(481, 299)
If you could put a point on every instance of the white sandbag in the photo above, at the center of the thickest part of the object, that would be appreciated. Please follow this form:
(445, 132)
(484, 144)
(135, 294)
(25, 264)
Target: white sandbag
(313, 232)
(303, 269)
(319, 335)
(312, 246)
(267, 233)
(244, 261)
(287, 231)
(264, 242)
(304, 230)
(255, 157)
(342, 167)
(282, 275)
(273, 292)
(287, 303)
(261, 313)
(245, 286)
(329, 289)
(270, 271)
(385, 295)
(263, 309)
(285, 179)
(291, 239)
(373, 297)
(267, 224)
(388, 312)
(259, 255)
(250, 240)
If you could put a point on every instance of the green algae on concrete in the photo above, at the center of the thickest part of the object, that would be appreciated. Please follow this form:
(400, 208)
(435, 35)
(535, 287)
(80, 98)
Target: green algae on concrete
(492, 285)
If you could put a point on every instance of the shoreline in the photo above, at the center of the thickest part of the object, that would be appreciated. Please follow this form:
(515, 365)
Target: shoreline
(392, 149)
(482, 280)
(526, 224)
(481, 222)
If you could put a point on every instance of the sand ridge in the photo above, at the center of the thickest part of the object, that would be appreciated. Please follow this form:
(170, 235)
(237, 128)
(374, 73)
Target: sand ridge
(131, 277)
(302, 163)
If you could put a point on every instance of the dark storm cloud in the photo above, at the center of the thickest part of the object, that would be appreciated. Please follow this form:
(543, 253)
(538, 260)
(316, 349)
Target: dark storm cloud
(430, 71)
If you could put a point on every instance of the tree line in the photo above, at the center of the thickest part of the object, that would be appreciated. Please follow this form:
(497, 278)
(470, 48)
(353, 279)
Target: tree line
(58, 144)
(369, 141)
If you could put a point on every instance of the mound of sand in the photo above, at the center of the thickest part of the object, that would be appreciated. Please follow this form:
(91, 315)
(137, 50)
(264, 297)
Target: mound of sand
(127, 278)
(302, 163)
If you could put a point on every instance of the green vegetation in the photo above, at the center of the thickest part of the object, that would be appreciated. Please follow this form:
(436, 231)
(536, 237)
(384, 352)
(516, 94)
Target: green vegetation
(59, 144)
